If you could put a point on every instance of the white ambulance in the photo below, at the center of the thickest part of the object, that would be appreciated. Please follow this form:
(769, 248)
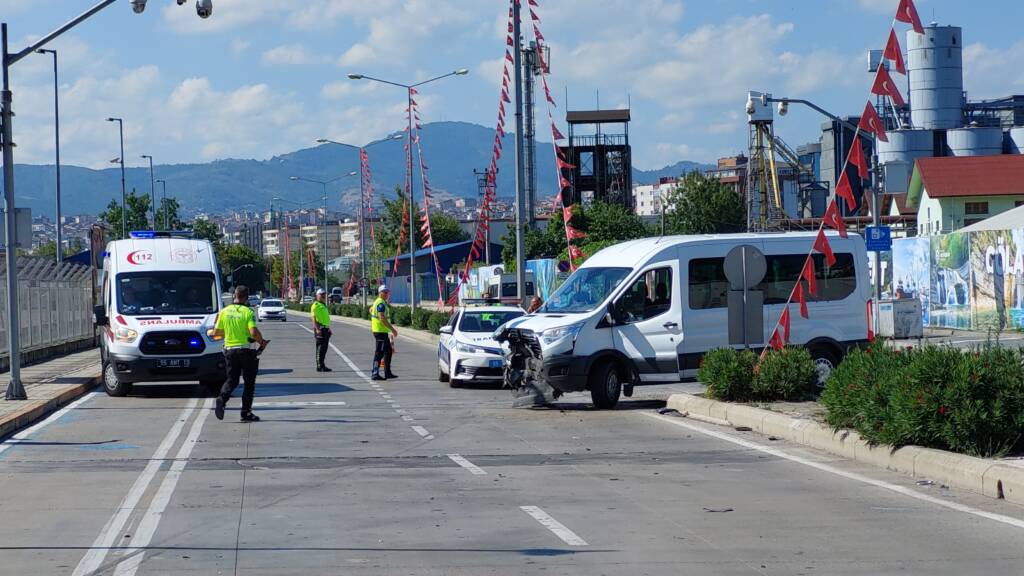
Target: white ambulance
(161, 294)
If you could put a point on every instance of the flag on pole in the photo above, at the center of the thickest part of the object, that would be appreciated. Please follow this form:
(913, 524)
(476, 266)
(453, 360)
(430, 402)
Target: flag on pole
(884, 86)
(894, 52)
(785, 323)
(907, 12)
(857, 159)
(810, 276)
(845, 191)
(871, 123)
(833, 219)
(821, 245)
(799, 298)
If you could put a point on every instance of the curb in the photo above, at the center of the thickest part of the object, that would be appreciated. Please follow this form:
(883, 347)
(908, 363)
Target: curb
(987, 477)
(36, 410)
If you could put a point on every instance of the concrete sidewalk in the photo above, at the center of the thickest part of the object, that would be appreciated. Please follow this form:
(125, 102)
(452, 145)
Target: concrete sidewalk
(49, 386)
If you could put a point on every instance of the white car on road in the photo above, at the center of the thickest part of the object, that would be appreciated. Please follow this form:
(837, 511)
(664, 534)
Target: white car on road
(272, 310)
(466, 351)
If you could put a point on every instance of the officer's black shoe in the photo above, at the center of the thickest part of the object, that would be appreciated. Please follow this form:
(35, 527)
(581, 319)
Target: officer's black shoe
(218, 411)
(326, 369)
(319, 368)
(249, 417)
(391, 376)
(378, 377)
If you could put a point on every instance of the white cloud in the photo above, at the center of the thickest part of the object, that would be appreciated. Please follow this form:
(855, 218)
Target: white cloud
(227, 15)
(288, 55)
(993, 72)
(239, 46)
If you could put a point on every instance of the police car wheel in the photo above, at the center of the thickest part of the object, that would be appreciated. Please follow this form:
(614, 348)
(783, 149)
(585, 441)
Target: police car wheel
(111, 385)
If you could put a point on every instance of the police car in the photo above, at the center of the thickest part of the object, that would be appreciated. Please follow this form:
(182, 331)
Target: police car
(466, 351)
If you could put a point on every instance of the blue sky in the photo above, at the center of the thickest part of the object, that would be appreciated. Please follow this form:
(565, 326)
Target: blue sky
(264, 77)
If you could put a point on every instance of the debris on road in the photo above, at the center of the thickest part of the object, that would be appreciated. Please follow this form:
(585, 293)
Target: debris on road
(925, 483)
(744, 429)
(718, 509)
(667, 411)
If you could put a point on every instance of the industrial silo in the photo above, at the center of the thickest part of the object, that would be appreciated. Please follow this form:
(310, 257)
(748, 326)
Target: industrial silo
(906, 145)
(1017, 140)
(935, 65)
(975, 141)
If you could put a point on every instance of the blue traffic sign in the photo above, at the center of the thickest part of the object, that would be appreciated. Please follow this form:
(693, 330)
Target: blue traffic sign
(878, 238)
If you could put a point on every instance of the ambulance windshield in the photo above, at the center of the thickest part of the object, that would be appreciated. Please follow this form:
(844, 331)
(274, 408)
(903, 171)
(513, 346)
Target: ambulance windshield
(162, 293)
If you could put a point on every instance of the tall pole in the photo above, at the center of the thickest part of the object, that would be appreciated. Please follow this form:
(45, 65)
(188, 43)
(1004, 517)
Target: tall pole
(362, 241)
(520, 177)
(163, 203)
(124, 192)
(15, 390)
(412, 213)
(323, 232)
(152, 187)
(56, 138)
(876, 219)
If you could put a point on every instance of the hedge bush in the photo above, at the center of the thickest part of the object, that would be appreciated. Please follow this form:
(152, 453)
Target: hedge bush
(939, 397)
(436, 320)
(787, 374)
(401, 316)
(728, 374)
(420, 318)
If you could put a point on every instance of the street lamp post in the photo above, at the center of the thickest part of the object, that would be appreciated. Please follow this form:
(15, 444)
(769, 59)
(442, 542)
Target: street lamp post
(412, 212)
(163, 203)
(362, 217)
(124, 193)
(152, 187)
(56, 138)
(15, 389)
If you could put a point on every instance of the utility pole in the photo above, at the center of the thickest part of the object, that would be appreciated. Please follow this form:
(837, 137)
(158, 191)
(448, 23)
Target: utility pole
(56, 138)
(481, 183)
(532, 69)
(520, 176)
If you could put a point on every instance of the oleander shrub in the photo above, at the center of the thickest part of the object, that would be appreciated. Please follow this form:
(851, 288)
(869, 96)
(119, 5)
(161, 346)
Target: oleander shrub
(968, 401)
(401, 316)
(420, 318)
(728, 374)
(436, 321)
(786, 374)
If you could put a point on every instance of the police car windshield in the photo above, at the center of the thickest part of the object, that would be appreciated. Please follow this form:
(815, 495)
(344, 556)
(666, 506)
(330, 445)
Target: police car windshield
(486, 321)
(272, 304)
(146, 293)
(585, 290)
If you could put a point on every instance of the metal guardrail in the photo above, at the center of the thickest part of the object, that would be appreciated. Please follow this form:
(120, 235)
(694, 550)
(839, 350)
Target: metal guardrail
(55, 304)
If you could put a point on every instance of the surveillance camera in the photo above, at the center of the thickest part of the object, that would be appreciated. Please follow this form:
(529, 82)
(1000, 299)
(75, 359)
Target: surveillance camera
(181, 2)
(204, 8)
(750, 105)
(138, 6)
(783, 108)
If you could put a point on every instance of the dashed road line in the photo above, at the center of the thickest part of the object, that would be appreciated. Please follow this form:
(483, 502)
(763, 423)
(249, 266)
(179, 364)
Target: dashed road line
(1015, 522)
(556, 527)
(282, 404)
(473, 468)
(422, 432)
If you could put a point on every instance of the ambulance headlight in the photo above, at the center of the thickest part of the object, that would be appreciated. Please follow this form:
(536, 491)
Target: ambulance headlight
(126, 335)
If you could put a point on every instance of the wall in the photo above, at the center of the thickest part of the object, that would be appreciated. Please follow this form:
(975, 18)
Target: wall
(945, 215)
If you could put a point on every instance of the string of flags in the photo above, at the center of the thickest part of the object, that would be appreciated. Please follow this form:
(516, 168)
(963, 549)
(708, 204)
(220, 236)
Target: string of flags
(870, 124)
(425, 227)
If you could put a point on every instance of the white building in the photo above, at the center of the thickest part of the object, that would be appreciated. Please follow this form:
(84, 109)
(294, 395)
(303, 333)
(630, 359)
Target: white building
(648, 198)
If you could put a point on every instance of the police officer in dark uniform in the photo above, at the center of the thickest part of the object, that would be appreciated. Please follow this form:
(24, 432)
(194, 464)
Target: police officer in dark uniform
(236, 324)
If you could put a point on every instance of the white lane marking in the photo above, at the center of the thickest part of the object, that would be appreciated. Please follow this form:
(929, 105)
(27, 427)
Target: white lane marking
(350, 363)
(112, 530)
(473, 468)
(151, 520)
(422, 432)
(556, 527)
(396, 406)
(273, 404)
(385, 395)
(1015, 522)
(28, 432)
(390, 401)
(407, 418)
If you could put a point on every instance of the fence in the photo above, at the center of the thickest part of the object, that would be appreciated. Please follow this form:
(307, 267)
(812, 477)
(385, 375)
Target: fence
(54, 304)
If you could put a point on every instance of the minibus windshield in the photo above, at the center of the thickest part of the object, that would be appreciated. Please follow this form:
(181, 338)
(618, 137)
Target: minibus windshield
(147, 293)
(585, 290)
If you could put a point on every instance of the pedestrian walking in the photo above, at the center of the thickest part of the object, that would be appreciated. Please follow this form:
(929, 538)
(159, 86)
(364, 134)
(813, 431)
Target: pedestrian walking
(236, 325)
(321, 318)
(383, 331)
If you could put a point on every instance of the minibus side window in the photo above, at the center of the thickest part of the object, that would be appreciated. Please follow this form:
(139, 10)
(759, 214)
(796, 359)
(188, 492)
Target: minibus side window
(708, 286)
(648, 297)
(834, 282)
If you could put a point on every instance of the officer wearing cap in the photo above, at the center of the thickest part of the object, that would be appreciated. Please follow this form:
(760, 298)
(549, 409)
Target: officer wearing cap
(321, 318)
(380, 325)
(236, 324)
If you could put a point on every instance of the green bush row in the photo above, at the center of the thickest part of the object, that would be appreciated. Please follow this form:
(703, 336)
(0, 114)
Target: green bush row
(968, 401)
(735, 375)
(423, 319)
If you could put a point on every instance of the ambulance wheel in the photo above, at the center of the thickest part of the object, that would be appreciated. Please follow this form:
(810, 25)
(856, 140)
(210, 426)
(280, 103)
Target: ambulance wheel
(111, 385)
(605, 386)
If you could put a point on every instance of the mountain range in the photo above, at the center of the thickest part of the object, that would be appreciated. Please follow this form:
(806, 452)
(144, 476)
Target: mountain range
(452, 150)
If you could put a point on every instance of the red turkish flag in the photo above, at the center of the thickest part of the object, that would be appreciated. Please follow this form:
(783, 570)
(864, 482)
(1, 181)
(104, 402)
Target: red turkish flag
(798, 297)
(534, 17)
(857, 159)
(785, 323)
(556, 133)
(574, 234)
(871, 123)
(871, 329)
(508, 56)
(808, 274)
(776, 341)
(504, 96)
(884, 86)
(534, 3)
(833, 219)
(567, 213)
(908, 13)
(564, 183)
(821, 245)
(508, 41)
(575, 253)
(845, 191)
(894, 52)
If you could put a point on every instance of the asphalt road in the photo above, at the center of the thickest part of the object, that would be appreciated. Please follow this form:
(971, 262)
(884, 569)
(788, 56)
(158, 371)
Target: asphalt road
(412, 477)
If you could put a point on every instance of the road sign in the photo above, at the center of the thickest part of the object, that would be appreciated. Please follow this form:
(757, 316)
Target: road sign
(878, 238)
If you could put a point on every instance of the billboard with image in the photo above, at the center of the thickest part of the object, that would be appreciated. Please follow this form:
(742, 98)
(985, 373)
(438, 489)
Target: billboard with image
(950, 301)
(911, 271)
(997, 269)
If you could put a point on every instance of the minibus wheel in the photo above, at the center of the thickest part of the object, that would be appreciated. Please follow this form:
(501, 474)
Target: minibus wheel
(111, 385)
(825, 361)
(605, 386)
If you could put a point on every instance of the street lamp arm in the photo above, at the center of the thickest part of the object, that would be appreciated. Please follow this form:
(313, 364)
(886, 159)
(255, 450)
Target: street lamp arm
(461, 72)
(14, 58)
(365, 77)
(814, 107)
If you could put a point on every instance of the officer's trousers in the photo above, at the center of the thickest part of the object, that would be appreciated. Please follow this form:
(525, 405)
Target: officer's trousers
(241, 362)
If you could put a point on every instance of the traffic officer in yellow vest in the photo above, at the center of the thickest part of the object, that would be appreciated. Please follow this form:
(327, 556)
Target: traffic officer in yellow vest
(321, 318)
(380, 325)
(236, 324)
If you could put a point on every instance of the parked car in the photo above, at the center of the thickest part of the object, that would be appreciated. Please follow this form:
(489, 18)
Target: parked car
(646, 312)
(272, 310)
(254, 301)
(307, 299)
(467, 351)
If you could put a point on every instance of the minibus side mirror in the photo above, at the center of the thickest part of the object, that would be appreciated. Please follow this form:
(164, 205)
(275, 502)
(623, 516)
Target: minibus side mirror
(99, 316)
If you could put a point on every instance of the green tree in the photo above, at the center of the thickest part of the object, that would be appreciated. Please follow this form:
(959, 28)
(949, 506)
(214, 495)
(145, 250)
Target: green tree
(251, 271)
(203, 229)
(446, 230)
(137, 207)
(702, 205)
(167, 212)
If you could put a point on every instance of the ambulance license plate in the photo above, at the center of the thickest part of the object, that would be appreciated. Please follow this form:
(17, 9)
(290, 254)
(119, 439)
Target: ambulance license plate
(174, 363)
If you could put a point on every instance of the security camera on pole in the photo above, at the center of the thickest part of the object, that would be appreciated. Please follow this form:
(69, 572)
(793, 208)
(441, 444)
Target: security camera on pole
(15, 389)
